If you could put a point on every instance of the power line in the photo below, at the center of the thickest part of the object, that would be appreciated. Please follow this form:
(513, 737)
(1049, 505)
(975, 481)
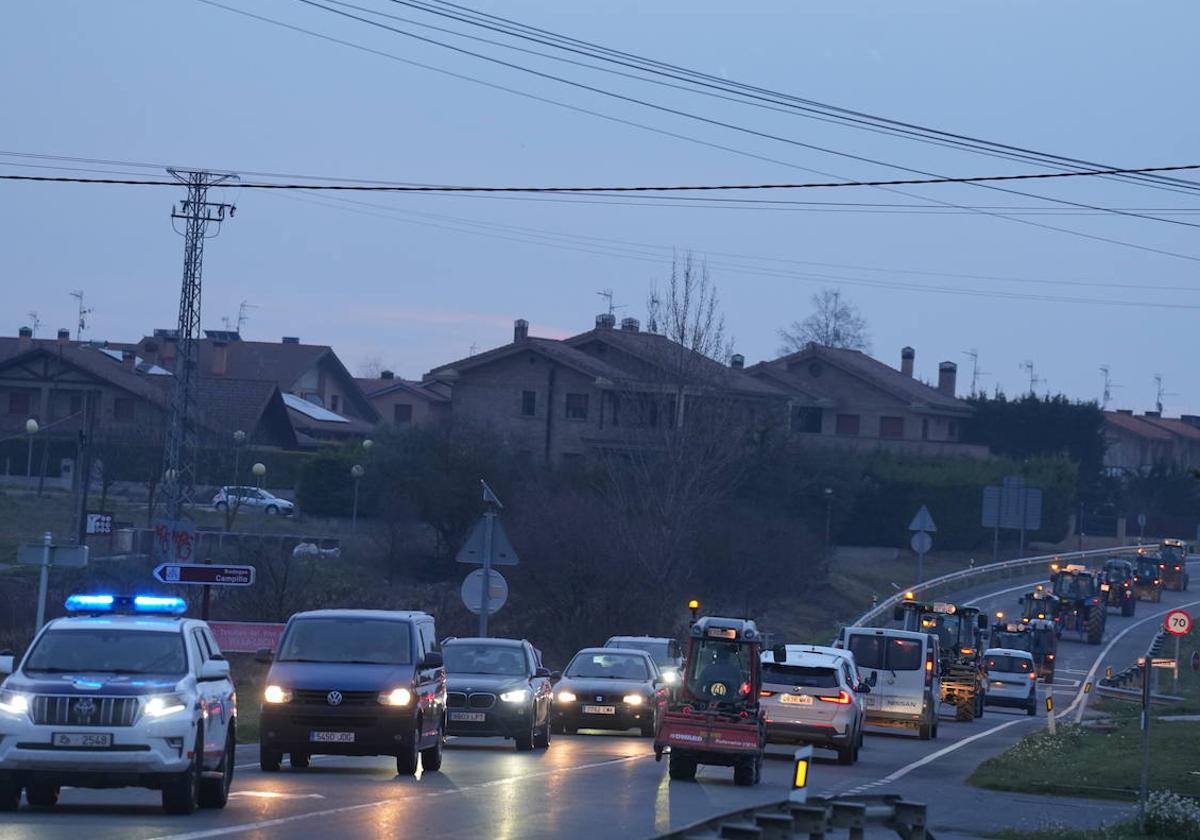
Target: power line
(457, 188)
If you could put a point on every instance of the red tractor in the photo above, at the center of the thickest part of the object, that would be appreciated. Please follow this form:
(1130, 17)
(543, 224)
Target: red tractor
(714, 717)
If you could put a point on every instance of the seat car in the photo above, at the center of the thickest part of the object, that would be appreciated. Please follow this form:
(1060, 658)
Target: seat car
(355, 682)
(666, 653)
(497, 688)
(1011, 679)
(122, 692)
(252, 498)
(807, 698)
(609, 688)
(903, 671)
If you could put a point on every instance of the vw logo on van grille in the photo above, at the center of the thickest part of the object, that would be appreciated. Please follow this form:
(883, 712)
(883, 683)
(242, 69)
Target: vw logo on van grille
(334, 698)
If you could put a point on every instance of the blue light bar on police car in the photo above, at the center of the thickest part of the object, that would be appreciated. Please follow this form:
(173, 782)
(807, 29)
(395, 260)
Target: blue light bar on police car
(137, 604)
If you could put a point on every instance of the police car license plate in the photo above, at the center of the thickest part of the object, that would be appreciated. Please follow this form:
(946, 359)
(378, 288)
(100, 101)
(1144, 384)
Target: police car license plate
(796, 699)
(599, 710)
(82, 739)
(471, 717)
(331, 737)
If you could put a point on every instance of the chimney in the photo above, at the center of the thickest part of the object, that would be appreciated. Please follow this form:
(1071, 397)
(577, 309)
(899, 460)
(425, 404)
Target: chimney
(290, 339)
(606, 321)
(64, 335)
(630, 324)
(907, 357)
(24, 339)
(947, 378)
(737, 361)
(169, 352)
(1128, 412)
(129, 359)
(1154, 414)
(387, 374)
(150, 352)
(220, 358)
(1191, 419)
(520, 330)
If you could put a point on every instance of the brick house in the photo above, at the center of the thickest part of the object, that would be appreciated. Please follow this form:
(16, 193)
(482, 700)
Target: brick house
(405, 403)
(1138, 443)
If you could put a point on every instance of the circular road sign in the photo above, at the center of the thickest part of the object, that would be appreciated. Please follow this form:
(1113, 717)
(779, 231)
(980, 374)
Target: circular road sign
(472, 592)
(921, 542)
(1178, 623)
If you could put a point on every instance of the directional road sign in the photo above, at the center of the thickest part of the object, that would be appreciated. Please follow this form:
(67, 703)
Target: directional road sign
(60, 555)
(1162, 662)
(472, 591)
(198, 574)
(503, 554)
(1178, 623)
(922, 521)
(921, 542)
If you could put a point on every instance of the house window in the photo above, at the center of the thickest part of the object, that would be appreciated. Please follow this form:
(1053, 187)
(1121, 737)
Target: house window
(577, 406)
(891, 427)
(952, 431)
(528, 403)
(807, 419)
(123, 408)
(402, 414)
(333, 402)
(847, 424)
(924, 428)
(19, 402)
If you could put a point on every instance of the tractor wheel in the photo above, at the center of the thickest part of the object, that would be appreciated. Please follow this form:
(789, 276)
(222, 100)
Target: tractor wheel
(1095, 625)
(925, 731)
(681, 769)
(743, 773)
(965, 709)
(1128, 606)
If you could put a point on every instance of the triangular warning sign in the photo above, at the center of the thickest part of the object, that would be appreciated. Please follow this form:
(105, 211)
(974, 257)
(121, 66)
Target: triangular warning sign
(922, 521)
(503, 554)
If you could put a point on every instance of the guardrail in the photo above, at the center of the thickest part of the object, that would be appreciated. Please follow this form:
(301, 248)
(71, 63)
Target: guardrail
(957, 579)
(819, 817)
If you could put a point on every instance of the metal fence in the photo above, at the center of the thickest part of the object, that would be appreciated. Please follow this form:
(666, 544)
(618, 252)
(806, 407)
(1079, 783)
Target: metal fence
(979, 574)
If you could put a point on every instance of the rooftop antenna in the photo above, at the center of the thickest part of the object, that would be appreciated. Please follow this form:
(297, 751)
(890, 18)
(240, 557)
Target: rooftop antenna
(1160, 393)
(976, 373)
(607, 294)
(652, 309)
(242, 317)
(1108, 387)
(83, 313)
(473, 349)
(34, 321)
(1027, 366)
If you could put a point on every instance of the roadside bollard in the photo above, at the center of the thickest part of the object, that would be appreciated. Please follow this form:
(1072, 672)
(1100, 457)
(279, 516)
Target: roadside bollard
(803, 760)
(1050, 722)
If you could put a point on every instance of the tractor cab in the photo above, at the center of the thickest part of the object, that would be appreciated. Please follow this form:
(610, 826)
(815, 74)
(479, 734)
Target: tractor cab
(1037, 636)
(715, 717)
(1041, 605)
(1147, 576)
(1172, 565)
(960, 633)
(1116, 584)
(1082, 608)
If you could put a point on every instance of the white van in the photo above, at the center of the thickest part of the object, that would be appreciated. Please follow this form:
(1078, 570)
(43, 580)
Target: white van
(901, 666)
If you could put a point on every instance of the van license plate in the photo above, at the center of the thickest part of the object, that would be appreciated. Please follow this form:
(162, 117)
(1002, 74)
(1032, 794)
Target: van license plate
(599, 710)
(796, 699)
(87, 740)
(471, 717)
(331, 737)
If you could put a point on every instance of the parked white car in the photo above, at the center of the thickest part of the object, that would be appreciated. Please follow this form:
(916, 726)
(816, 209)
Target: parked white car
(252, 498)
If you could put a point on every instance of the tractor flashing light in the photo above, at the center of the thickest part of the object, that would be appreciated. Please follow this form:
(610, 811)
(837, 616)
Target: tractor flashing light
(125, 604)
(999, 613)
(693, 604)
(1054, 567)
(967, 651)
(910, 596)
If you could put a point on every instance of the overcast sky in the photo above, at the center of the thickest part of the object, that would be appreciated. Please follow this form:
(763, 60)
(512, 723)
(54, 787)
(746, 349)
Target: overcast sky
(416, 280)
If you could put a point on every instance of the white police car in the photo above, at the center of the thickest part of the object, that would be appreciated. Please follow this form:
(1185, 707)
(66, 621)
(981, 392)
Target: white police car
(122, 692)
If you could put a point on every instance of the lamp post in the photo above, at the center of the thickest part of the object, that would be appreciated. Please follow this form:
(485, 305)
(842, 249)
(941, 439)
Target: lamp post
(231, 505)
(31, 429)
(828, 520)
(356, 472)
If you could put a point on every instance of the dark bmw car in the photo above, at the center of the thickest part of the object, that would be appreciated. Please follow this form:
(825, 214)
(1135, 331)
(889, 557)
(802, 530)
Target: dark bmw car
(497, 688)
(355, 682)
(609, 688)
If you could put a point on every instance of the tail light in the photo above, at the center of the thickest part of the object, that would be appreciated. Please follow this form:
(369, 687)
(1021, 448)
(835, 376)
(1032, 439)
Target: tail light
(765, 693)
(1049, 655)
(1033, 675)
(929, 671)
(843, 698)
(744, 689)
(967, 651)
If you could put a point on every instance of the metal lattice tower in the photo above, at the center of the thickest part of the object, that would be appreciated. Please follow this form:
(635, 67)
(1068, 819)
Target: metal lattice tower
(197, 214)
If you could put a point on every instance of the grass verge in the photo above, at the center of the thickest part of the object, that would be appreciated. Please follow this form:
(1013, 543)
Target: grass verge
(1116, 831)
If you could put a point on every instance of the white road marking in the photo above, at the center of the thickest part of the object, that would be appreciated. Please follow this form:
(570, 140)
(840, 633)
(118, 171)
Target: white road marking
(362, 806)
(908, 768)
(270, 794)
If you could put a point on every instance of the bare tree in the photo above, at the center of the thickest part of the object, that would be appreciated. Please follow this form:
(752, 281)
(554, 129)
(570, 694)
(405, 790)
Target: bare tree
(834, 322)
(371, 367)
(688, 311)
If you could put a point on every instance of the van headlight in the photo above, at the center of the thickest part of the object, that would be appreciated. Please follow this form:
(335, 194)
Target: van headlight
(276, 694)
(517, 695)
(14, 703)
(162, 705)
(565, 696)
(633, 699)
(396, 697)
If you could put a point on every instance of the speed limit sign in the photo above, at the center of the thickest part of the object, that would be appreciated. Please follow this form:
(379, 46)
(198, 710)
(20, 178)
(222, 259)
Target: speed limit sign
(1178, 623)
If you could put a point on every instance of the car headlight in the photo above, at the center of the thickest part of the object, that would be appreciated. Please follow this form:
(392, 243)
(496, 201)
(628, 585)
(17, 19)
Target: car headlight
(517, 695)
(396, 697)
(14, 703)
(162, 705)
(633, 699)
(565, 696)
(275, 694)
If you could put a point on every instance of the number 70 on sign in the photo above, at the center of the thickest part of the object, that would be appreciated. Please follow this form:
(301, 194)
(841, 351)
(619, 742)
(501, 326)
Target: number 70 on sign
(1178, 623)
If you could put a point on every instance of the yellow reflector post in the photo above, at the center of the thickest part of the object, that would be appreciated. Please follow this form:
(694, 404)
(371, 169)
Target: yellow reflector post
(1049, 703)
(803, 760)
(1087, 688)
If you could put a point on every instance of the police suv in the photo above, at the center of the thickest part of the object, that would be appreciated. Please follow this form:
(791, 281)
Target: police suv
(122, 692)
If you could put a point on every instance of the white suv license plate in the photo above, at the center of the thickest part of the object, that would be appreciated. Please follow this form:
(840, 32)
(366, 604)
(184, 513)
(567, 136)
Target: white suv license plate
(331, 737)
(470, 717)
(82, 739)
(796, 699)
(599, 710)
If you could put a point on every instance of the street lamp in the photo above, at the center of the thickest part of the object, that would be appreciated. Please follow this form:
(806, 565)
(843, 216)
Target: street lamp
(259, 469)
(828, 519)
(239, 439)
(356, 472)
(368, 443)
(31, 429)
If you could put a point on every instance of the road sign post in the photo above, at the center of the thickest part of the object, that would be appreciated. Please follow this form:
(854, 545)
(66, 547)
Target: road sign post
(1147, 674)
(922, 525)
(44, 555)
(487, 545)
(43, 580)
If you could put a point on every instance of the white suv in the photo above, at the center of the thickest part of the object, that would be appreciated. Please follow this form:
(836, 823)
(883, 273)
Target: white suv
(122, 692)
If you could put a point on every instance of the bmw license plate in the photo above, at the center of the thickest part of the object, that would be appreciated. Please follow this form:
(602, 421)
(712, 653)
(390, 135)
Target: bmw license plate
(796, 699)
(87, 740)
(470, 717)
(331, 737)
(599, 710)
